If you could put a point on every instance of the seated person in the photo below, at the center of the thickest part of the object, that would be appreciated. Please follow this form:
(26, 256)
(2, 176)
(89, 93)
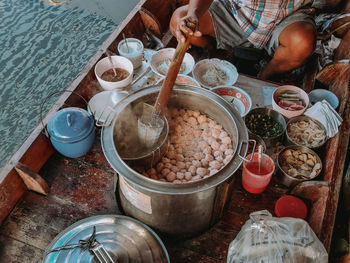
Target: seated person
(285, 28)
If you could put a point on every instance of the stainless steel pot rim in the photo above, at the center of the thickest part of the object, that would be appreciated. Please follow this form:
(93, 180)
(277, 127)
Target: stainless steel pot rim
(131, 176)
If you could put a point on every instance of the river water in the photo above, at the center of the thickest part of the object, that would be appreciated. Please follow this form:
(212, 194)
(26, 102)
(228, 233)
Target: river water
(43, 48)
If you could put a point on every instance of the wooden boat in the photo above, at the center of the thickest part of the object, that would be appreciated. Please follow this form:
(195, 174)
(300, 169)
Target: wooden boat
(84, 187)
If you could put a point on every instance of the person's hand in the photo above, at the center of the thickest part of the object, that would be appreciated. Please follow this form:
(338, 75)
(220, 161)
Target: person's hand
(187, 27)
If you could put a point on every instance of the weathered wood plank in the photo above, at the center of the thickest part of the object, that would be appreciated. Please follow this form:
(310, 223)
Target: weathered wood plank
(336, 150)
(14, 251)
(181, 255)
(36, 220)
(317, 193)
(11, 190)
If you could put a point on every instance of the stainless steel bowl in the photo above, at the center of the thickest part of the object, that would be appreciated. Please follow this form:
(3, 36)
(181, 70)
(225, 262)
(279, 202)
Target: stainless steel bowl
(269, 141)
(287, 179)
(290, 141)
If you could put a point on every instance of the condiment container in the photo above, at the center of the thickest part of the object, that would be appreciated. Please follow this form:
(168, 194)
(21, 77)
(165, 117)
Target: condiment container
(71, 131)
(274, 115)
(114, 237)
(119, 62)
(132, 48)
(289, 139)
(287, 179)
(254, 180)
(238, 97)
(289, 113)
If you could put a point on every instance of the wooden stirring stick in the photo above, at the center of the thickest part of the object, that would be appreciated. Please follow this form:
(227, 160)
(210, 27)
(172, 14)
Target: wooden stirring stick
(168, 83)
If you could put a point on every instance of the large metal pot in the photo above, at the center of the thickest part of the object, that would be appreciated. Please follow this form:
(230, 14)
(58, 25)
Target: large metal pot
(178, 209)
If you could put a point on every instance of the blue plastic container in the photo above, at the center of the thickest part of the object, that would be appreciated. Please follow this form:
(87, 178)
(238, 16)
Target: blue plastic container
(72, 131)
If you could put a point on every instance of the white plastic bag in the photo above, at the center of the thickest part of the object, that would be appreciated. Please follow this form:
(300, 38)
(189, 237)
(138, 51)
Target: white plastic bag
(267, 239)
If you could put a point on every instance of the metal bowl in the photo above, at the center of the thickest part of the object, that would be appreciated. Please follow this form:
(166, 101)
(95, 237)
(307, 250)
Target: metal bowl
(269, 141)
(287, 179)
(290, 141)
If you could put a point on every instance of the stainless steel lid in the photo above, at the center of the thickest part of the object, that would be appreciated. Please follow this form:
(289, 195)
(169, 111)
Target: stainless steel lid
(125, 240)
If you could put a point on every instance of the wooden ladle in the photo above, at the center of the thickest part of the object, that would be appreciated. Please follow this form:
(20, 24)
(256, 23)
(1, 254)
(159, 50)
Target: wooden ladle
(151, 125)
(169, 81)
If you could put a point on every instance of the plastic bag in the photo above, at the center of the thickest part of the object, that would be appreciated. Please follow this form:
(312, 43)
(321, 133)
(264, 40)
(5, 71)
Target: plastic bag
(267, 239)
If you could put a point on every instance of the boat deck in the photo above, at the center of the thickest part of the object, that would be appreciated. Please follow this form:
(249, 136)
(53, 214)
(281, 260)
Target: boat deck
(85, 187)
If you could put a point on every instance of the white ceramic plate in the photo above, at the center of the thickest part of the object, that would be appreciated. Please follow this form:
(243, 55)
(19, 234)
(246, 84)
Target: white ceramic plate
(101, 106)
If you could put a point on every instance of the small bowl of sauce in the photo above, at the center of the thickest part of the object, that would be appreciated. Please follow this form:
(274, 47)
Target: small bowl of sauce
(105, 75)
(109, 75)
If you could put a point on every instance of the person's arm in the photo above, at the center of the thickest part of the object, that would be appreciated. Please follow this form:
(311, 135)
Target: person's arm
(196, 8)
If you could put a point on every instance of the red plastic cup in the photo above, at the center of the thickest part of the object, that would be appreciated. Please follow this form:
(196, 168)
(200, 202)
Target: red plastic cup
(254, 181)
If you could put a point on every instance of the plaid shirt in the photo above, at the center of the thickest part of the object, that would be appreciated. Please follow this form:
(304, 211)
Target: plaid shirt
(258, 18)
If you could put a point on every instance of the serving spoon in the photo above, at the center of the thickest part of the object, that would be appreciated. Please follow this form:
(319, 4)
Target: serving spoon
(113, 68)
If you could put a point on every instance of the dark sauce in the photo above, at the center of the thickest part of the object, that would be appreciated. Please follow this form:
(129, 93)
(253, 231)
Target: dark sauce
(109, 75)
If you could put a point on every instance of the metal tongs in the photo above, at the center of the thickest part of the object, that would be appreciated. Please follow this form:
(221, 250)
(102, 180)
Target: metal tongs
(98, 250)
(92, 245)
(101, 253)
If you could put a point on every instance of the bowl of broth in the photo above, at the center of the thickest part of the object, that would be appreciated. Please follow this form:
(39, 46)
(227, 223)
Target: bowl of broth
(105, 74)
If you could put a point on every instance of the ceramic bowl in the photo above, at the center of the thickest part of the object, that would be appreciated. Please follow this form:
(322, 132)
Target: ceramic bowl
(323, 94)
(166, 54)
(238, 97)
(205, 73)
(119, 62)
(289, 113)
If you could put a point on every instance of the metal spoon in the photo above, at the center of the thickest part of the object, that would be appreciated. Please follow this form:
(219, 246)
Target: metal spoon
(113, 68)
(126, 42)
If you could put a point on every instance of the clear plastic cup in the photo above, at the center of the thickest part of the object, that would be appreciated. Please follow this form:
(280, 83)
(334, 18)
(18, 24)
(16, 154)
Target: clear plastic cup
(253, 180)
(132, 48)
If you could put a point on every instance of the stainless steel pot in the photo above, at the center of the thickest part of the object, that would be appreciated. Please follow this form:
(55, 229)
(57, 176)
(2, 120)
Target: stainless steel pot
(178, 209)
